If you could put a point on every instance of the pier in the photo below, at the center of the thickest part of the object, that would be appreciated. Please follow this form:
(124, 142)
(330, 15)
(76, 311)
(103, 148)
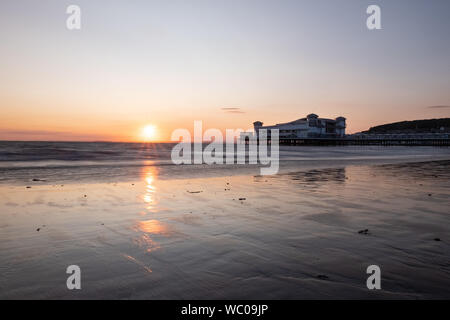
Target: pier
(427, 139)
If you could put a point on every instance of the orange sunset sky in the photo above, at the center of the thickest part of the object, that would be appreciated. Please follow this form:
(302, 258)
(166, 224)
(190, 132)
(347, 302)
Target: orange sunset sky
(227, 63)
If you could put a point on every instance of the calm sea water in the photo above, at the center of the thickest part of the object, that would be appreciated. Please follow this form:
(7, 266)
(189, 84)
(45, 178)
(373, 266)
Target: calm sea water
(21, 162)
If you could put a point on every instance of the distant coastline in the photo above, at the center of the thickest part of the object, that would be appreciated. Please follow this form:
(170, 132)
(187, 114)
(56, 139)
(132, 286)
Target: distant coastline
(441, 125)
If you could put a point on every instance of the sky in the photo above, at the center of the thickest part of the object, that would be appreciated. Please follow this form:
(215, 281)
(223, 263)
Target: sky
(228, 63)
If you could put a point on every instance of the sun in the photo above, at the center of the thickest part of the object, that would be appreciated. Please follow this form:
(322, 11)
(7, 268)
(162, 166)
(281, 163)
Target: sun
(149, 132)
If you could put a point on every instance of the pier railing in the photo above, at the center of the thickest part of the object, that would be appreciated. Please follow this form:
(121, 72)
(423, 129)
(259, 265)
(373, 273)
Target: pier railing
(423, 139)
(406, 139)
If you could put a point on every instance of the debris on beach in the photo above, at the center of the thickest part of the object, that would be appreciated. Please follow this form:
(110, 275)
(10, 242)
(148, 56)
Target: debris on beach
(365, 231)
(194, 191)
(38, 229)
(429, 194)
(28, 187)
(36, 179)
(85, 196)
(323, 277)
(242, 199)
(437, 239)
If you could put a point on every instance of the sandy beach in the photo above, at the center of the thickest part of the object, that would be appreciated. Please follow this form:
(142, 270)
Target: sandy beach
(294, 235)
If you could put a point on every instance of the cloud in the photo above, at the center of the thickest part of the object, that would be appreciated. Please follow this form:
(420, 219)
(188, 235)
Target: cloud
(232, 110)
(34, 132)
(438, 107)
(45, 135)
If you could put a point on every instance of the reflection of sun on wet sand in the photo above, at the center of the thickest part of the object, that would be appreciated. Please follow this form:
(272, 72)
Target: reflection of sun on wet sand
(292, 235)
(149, 174)
(153, 227)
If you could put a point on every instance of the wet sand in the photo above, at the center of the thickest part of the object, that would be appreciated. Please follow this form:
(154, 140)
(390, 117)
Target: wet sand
(291, 236)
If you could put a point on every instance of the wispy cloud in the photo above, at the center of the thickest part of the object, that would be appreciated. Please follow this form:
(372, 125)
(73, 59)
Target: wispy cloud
(438, 107)
(232, 110)
(34, 132)
(45, 135)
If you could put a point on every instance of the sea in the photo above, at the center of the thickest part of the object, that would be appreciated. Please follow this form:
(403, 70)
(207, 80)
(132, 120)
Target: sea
(24, 161)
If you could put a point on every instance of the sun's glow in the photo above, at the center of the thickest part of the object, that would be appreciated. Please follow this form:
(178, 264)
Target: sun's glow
(149, 132)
